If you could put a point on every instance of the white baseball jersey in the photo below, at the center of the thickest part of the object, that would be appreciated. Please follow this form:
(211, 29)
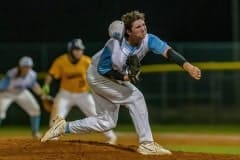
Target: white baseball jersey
(115, 53)
(18, 84)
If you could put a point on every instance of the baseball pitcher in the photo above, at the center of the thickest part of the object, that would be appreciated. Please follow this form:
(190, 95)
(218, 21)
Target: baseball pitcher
(110, 76)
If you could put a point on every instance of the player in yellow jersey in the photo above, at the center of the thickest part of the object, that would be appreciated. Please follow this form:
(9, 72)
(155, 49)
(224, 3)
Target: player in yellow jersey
(70, 68)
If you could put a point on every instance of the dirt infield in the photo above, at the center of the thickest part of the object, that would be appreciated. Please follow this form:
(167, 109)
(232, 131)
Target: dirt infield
(65, 149)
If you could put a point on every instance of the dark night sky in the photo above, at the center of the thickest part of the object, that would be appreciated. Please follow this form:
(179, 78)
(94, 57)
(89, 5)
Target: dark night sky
(61, 20)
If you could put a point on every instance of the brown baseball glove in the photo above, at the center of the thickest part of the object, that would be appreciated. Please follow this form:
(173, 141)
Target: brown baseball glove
(47, 102)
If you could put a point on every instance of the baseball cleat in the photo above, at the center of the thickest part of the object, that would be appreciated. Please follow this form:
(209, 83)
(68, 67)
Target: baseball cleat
(54, 139)
(152, 149)
(37, 135)
(58, 129)
(112, 140)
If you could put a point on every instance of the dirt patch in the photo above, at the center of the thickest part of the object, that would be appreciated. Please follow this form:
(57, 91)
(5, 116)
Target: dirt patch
(26, 149)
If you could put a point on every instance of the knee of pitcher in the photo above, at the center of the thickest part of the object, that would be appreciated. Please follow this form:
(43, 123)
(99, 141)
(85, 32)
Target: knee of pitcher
(108, 125)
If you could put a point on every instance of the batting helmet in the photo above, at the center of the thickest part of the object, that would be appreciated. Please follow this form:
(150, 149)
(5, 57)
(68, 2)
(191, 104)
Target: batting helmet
(75, 44)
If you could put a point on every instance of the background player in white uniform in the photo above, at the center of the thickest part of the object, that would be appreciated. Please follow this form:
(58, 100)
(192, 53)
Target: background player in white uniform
(14, 88)
(71, 69)
(108, 78)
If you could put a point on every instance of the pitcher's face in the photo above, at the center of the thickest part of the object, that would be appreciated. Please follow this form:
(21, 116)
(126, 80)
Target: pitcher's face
(138, 30)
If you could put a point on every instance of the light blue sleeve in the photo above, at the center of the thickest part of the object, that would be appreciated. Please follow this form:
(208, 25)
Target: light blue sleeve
(110, 57)
(4, 83)
(105, 62)
(156, 45)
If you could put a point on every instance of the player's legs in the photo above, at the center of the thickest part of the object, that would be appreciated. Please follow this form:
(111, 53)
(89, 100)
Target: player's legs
(126, 94)
(112, 138)
(104, 121)
(86, 104)
(99, 123)
(139, 114)
(111, 96)
(29, 104)
(5, 102)
(62, 105)
(137, 108)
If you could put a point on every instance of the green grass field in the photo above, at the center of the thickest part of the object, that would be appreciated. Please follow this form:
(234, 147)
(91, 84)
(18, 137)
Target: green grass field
(224, 130)
(206, 149)
(163, 131)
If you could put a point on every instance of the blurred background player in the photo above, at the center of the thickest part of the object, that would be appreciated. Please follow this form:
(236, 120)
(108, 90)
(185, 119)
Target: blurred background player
(14, 88)
(71, 69)
(111, 87)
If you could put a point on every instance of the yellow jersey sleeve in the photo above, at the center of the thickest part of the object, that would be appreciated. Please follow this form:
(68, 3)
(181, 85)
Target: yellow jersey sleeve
(56, 69)
(88, 61)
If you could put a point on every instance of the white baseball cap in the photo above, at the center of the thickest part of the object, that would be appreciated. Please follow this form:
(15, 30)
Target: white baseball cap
(26, 62)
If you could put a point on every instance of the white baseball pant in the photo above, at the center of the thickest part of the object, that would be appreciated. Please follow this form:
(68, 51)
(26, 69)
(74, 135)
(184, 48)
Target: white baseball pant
(109, 95)
(24, 99)
(65, 100)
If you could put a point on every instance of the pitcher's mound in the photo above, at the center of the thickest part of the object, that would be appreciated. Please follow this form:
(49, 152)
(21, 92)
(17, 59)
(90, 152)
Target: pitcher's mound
(73, 150)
